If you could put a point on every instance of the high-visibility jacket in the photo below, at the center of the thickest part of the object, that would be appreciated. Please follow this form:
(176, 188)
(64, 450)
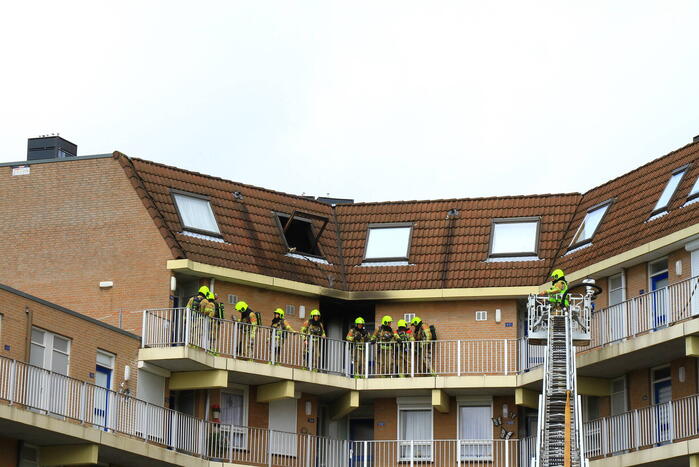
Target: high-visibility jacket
(557, 290)
(357, 335)
(313, 327)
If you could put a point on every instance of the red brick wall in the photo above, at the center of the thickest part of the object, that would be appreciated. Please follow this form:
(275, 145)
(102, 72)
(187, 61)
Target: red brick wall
(457, 319)
(685, 258)
(86, 338)
(258, 413)
(9, 448)
(445, 423)
(636, 280)
(689, 386)
(385, 419)
(69, 225)
(638, 386)
(307, 423)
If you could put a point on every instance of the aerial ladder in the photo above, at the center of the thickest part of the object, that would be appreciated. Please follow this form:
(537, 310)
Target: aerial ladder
(559, 436)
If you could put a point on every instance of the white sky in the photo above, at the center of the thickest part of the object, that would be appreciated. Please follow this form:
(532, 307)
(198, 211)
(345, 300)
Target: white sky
(372, 100)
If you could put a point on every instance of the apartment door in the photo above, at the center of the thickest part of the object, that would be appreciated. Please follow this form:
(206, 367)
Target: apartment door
(662, 395)
(659, 279)
(694, 286)
(616, 312)
(361, 429)
(151, 389)
(48, 390)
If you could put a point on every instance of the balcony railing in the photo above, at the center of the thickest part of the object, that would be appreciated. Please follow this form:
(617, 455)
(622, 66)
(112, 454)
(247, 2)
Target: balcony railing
(38, 390)
(449, 452)
(647, 312)
(180, 327)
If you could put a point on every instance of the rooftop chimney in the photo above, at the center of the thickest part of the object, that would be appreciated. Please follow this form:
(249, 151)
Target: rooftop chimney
(50, 147)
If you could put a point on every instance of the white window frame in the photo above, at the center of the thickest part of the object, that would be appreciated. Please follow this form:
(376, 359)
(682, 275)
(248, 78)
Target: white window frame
(622, 275)
(514, 220)
(241, 430)
(681, 171)
(474, 401)
(393, 225)
(175, 193)
(49, 337)
(408, 317)
(611, 396)
(651, 275)
(694, 192)
(653, 381)
(577, 241)
(416, 403)
(481, 315)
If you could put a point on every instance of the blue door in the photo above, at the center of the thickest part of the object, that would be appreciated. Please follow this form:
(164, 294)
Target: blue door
(103, 381)
(658, 287)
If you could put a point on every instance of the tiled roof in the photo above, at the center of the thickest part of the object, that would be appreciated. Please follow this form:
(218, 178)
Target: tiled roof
(443, 253)
(626, 224)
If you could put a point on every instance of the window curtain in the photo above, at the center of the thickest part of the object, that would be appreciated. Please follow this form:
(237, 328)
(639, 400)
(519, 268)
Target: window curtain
(475, 424)
(196, 213)
(416, 425)
(232, 409)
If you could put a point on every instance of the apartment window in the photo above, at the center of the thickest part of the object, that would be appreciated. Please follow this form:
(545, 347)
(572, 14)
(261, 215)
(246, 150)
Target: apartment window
(195, 213)
(232, 299)
(298, 233)
(616, 289)
(590, 408)
(388, 242)
(514, 237)
(408, 317)
(618, 396)
(290, 310)
(49, 351)
(282, 419)
(475, 433)
(695, 190)
(415, 424)
(481, 316)
(234, 412)
(590, 223)
(669, 190)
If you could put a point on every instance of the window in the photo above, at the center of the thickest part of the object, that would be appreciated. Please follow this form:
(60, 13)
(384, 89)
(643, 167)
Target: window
(388, 242)
(298, 233)
(234, 412)
(415, 424)
(695, 190)
(232, 299)
(590, 223)
(481, 316)
(514, 237)
(669, 190)
(290, 310)
(282, 419)
(475, 431)
(408, 317)
(196, 213)
(618, 396)
(590, 408)
(49, 351)
(616, 289)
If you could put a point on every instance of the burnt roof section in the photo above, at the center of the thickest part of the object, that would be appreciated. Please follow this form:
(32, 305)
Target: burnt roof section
(628, 224)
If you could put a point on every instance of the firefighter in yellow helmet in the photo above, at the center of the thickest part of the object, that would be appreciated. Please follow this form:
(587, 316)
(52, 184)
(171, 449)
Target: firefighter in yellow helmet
(359, 336)
(200, 308)
(423, 348)
(218, 314)
(247, 329)
(386, 339)
(280, 328)
(558, 292)
(315, 341)
(403, 348)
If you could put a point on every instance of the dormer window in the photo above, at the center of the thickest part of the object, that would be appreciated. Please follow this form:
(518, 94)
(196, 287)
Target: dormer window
(195, 213)
(514, 237)
(669, 190)
(590, 224)
(388, 242)
(297, 232)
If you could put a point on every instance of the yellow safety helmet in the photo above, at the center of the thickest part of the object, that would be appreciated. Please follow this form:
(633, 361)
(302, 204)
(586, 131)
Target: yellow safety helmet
(315, 313)
(359, 320)
(386, 319)
(402, 323)
(204, 290)
(557, 274)
(241, 306)
(280, 312)
(415, 321)
(211, 296)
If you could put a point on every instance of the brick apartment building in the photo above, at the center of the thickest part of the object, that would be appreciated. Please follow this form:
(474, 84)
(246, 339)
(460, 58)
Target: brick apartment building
(110, 236)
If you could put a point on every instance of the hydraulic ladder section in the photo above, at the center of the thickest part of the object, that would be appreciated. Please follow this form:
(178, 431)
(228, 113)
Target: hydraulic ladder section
(559, 440)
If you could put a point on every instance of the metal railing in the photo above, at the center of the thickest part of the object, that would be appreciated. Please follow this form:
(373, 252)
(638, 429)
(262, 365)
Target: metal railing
(653, 310)
(43, 391)
(179, 327)
(451, 452)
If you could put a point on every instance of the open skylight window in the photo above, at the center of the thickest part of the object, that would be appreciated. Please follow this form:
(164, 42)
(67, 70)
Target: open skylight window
(195, 213)
(695, 190)
(589, 225)
(298, 234)
(517, 236)
(669, 190)
(388, 242)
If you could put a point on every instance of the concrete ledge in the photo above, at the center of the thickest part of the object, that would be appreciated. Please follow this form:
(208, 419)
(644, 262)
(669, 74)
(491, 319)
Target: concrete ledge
(206, 379)
(275, 391)
(644, 456)
(440, 401)
(345, 405)
(69, 454)
(527, 398)
(588, 386)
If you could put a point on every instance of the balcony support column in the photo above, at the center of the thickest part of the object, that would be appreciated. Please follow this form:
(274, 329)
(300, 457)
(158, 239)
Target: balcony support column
(440, 401)
(527, 398)
(75, 454)
(344, 405)
(275, 391)
(206, 379)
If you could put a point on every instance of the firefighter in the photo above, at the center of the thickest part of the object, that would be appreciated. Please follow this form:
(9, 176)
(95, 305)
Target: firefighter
(359, 336)
(386, 338)
(281, 327)
(314, 329)
(558, 292)
(246, 330)
(200, 309)
(218, 313)
(423, 351)
(403, 348)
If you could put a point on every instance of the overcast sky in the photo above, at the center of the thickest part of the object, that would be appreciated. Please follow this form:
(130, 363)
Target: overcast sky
(375, 100)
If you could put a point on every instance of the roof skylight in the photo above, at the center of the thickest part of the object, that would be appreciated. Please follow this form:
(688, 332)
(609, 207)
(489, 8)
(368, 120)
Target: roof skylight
(669, 190)
(196, 213)
(514, 237)
(695, 190)
(589, 225)
(298, 233)
(388, 242)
